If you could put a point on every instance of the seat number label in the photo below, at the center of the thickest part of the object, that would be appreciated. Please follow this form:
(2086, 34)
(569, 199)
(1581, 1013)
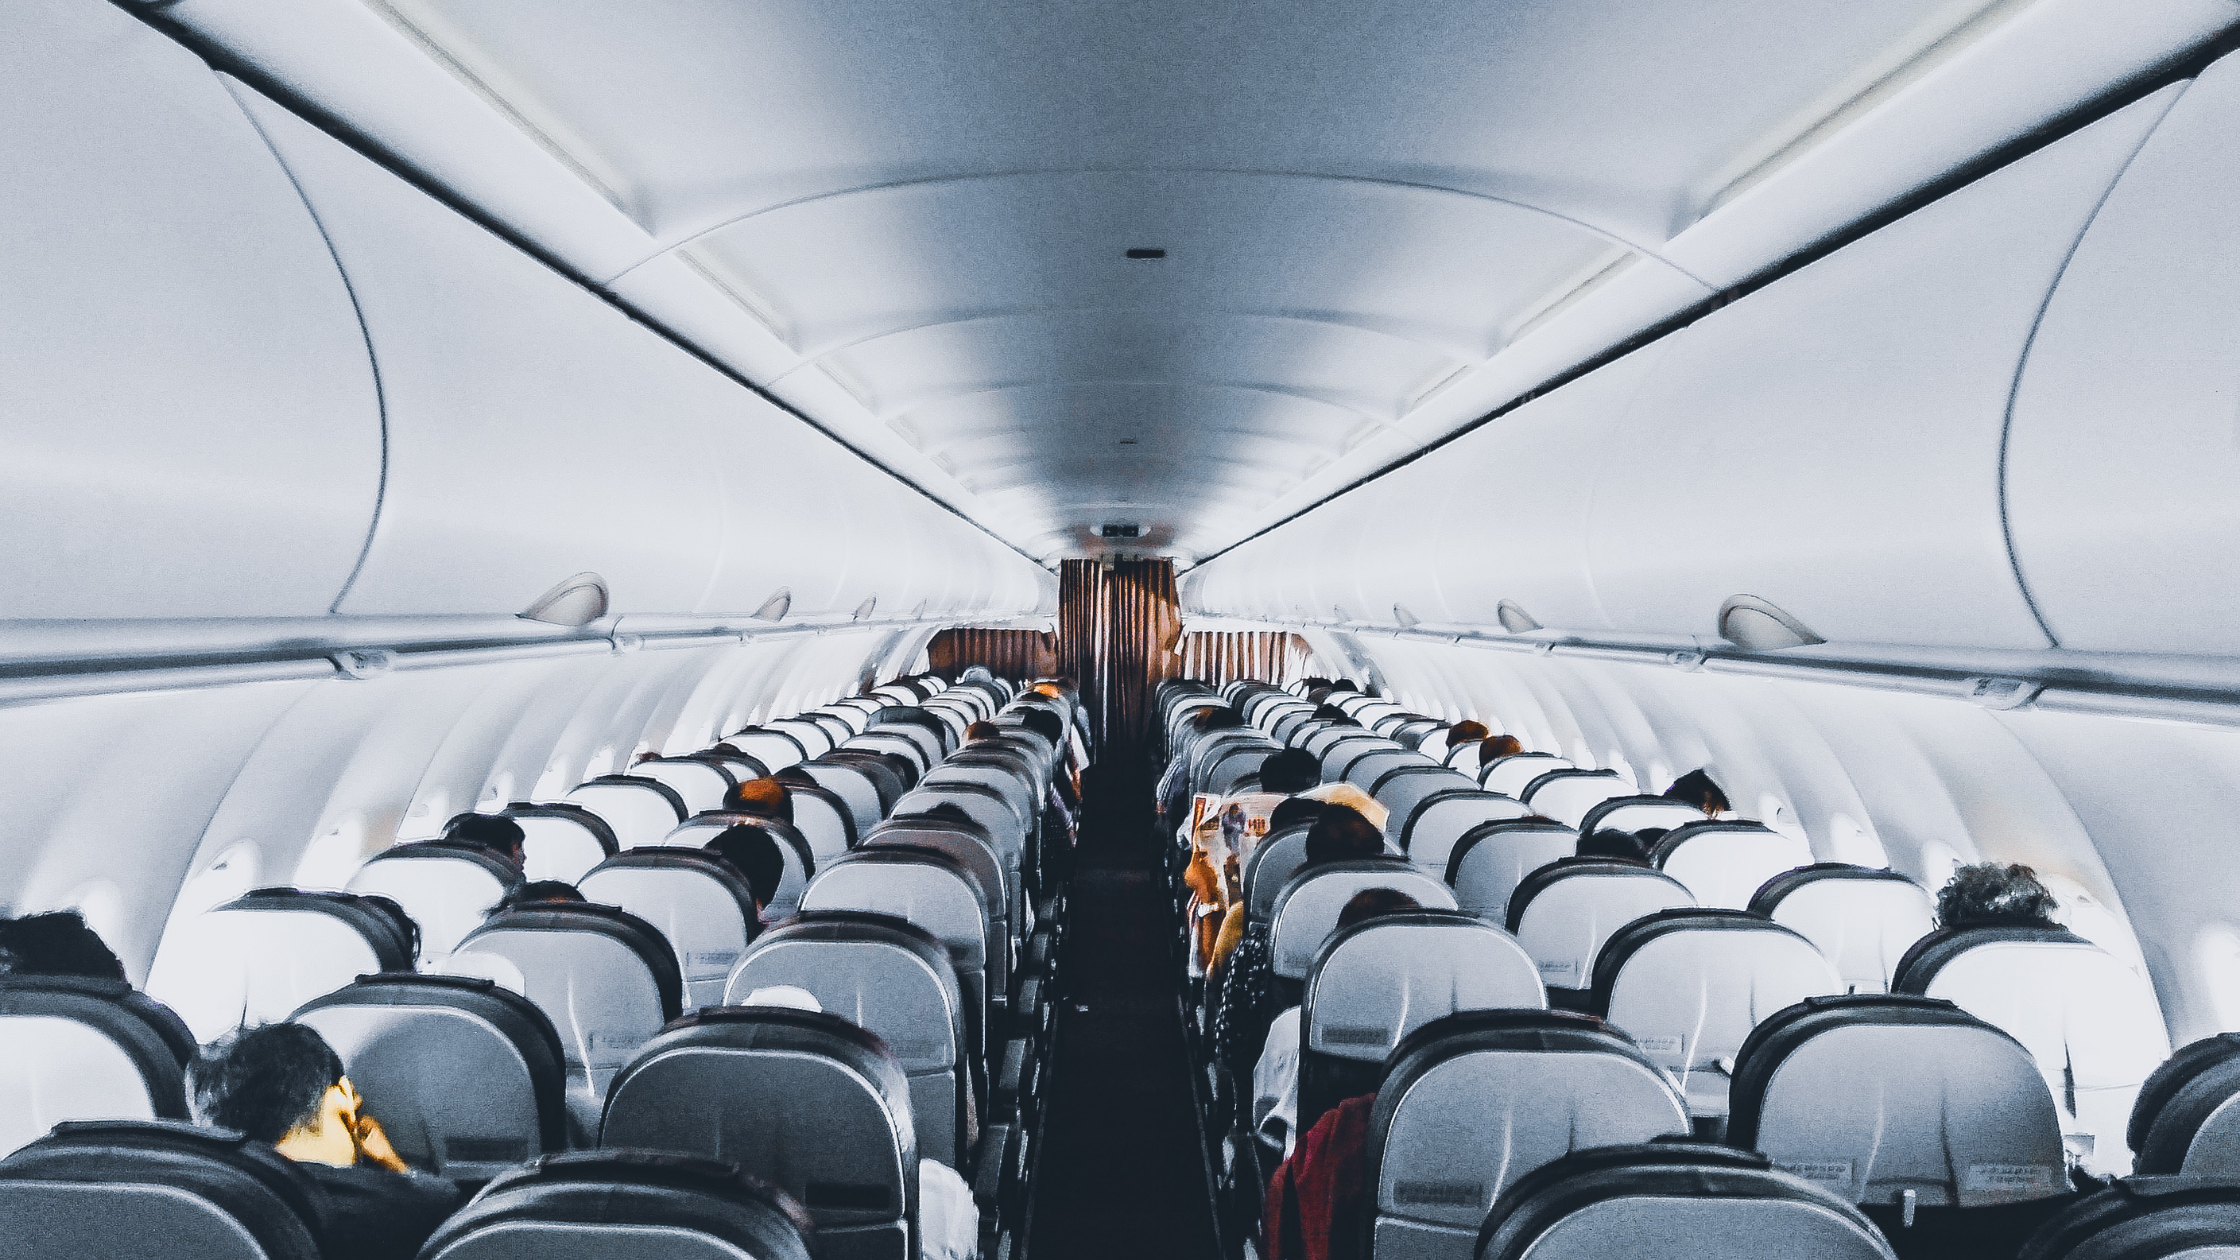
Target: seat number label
(1558, 969)
(1665, 1045)
(2026, 1180)
(1827, 1172)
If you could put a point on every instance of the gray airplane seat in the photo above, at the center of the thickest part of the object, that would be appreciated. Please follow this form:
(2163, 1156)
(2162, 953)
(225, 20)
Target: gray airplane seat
(814, 739)
(1564, 911)
(699, 903)
(852, 783)
(913, 744)
(893, 978)
(927, 888)
(1475, 1100)
(897, 754)
(812, 1103)
(915, 715)
(700, 783)
(743, 768)
(1403, 789)
(638, 809)
(1430, 827)
(561, 840)
(1377, 981)
(968, 845)
(1863, 919)
(1566, 794)
(447, 887)
(774, 749)
(823, 817)
(73, 1048)
(1689, 985)
(1306, 912)
(1238, 767)
(1512, 774)
(1012, 778)
(1932, 1121)
(2091, 1022)
(605, 978)
(1673, 1201)
(626, 1205)
(1270, 866)
(986, 806)
(2145, 1218)
(1725, 862)
(800, 860)
(2187, 1117)
(254, 959)
(1637, 813)
(467, 1078)
(1487, 862)
(112, 1188)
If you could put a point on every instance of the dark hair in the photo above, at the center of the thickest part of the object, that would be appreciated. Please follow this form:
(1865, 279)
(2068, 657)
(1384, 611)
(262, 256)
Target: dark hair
(1339, 833)
(266, 1082)
(1988, 893)
(755, 852)
(1494, 747)
(495, 832)
(398, 915)
(983, 730)
(952, 812)
(1696, 788)
(1345, 684)
(1218, 718)
(1371, 902)
(56, 944)
(540, 890)
(1465, 733)
(1292, 770)
(764, 798)
(1296, 810)
(1329, 713)
(1609, 842)
(1049, 725)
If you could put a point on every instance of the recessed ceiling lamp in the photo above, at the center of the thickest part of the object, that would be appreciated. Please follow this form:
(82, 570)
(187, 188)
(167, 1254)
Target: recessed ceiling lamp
(1142, 253)
(577, 601)
(776, 607)
(1514, 618)
(1750, 622)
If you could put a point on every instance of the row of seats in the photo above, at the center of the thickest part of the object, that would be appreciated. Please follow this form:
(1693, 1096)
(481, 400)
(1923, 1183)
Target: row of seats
(929, 937)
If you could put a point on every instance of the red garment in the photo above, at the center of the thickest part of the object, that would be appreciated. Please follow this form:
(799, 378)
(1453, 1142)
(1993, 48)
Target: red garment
(1319, 1200)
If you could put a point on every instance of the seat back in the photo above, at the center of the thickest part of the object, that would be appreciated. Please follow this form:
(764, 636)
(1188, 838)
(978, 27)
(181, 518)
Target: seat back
(118, 1188)
(470, 1077)
(1015, 786)
(1343, 746)
(1512, 774)
(2187, 1116)
(741, 767)
(1567, 794)
(1270, 866)
(814, 739)
(1564, 911)
(892, 978)
(699, 903)
(809, 1102)
(926, 745)
(1725, 863)
(929, 890)
(1476, 1100)
(854, 784)
(1862, 920)
(1636, 813)
(447, 888)
(258, 957)
(1374, 983)
(892, 773)
(604, 977)
(985, 805)
(1688, 985)
(1877, 1095)
(1306, 912)
(1428, 830)
(801, 863)
(824, 820)
(78, 1049)
(1402, 789)
(561, 840)
(1237, 767)
(639, 809)
(908, 743)
(774, 749)
(1362, 765)
(1487, 862)
(2092, 1024)
(626, 1205)
(1686, 1200)
(969, 847)
(700, 784)
(2145, 1218)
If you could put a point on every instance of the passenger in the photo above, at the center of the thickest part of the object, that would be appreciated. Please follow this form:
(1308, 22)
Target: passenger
(756, 854)
(283, 1084)
(1696, 788)
(764, 798)
(540, 892)
(982, 730)
(1352, 798)
(56, 944)
(1609, 842)
(1275, 1077)
(1334, 715)
(1174, 785)
(1465, 733)
(1990, 895)
(496, 832)
(1318, 1202)
(976, 674)
(1291, 771)
(1340, 833)
(1298, 809)
(1494, 747)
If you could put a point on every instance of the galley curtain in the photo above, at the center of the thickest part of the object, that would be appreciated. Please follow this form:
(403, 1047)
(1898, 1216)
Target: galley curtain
(1020, 655)
(1217, 656)
(1117, 631)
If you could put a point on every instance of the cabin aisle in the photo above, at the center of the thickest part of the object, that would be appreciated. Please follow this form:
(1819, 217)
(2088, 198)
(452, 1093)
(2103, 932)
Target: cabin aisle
(1121, 1174)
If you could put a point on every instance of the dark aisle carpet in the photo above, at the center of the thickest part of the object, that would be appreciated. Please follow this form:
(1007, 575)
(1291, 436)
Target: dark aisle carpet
(1120, 1174)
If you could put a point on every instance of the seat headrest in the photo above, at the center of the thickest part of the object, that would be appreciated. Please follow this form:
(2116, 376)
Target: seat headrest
(922, 885)
(1512, 774)
(1307, 909)
(578, 1205)
(1567, 869)
(1624, 944)
(1725, 861)
(96, 1188)
(379, 921)
(1272, 864)
(638, 809)
(1532, 834)
(1567, 794)
(1634, 813)
(2187, 1116)
(73, 1048)
(1375, 982)
(924, 1029)
(699, 862)
(1932, 953)
(1440, 818)
(2145, 1218)
(611, 922)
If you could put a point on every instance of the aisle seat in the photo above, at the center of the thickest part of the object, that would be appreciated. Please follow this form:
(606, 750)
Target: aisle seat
(1564, 911)
(800, 859)
(1403, 788)
(1350, 745)
(926, 744)
(1306, 912)
(74, 1048)
(1639, 813)
(894, 772)
(1438, 820)
(701, 785)
(969, 848)
(254, 959)
(561, 840)
(1724, 863)
(1688, 985)
(1269, 867)
(1476, 1100)
(1511, 775)
(626, 1205)
(2187, 1116)
(1015, 785)
(1863, 920)
(1566, 795)
(810, 1102)
(932, 891)
(446, 887)
(1486, 863)
(469, 1078)
(99, 1189)
(1238, 768)
(639, 809)
(701, 905)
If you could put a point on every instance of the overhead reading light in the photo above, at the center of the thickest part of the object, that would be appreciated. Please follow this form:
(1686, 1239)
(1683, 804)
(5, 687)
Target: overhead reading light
(1514, 618)
(1147, 253)
(1122, 530)
(578, 601)
(363, 663)
(1407, 620)
(775, 607)
(1747, 621)
(863, 609)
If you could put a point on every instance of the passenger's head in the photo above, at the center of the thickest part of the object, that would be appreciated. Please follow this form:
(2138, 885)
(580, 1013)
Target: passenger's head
(1049, 689)
(1333, 714)
(982, 730)
(540, 892)
(1494, 747)
(1341, 834)
(1346, 684)
(950, 811)
(976, 674)
(1465, 733)
(1609, 842)
(1049, 725)
(271, 1083)
(1298, 809)
(1292, 770)
(755, 852)
(1988, 894)
(57, 944)
(764, 798)
(1696, 788)
(495, 832)
(1218, 718)
(1371, 902)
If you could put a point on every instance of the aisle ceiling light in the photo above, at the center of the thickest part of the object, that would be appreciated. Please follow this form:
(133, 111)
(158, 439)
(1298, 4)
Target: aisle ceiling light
(577, 601)
(1750, 622)
(1514, 618)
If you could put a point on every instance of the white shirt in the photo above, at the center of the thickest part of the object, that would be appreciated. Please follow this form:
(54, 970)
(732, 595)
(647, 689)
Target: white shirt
(1275, 1081)
(948, 1219)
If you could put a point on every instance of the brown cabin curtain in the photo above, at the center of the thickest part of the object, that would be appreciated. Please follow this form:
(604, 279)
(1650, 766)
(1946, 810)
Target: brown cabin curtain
(1117, 631)
(1217, 657)
(1015, 654)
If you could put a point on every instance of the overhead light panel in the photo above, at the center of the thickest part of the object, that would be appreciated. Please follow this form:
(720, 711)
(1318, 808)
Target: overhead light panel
(1750, 622)
(577, 601)
(1514, 618)
(776, 607)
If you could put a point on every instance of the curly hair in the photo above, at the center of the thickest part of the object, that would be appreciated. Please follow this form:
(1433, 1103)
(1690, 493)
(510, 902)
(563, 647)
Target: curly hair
(1988, 893)
(266, 1082)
